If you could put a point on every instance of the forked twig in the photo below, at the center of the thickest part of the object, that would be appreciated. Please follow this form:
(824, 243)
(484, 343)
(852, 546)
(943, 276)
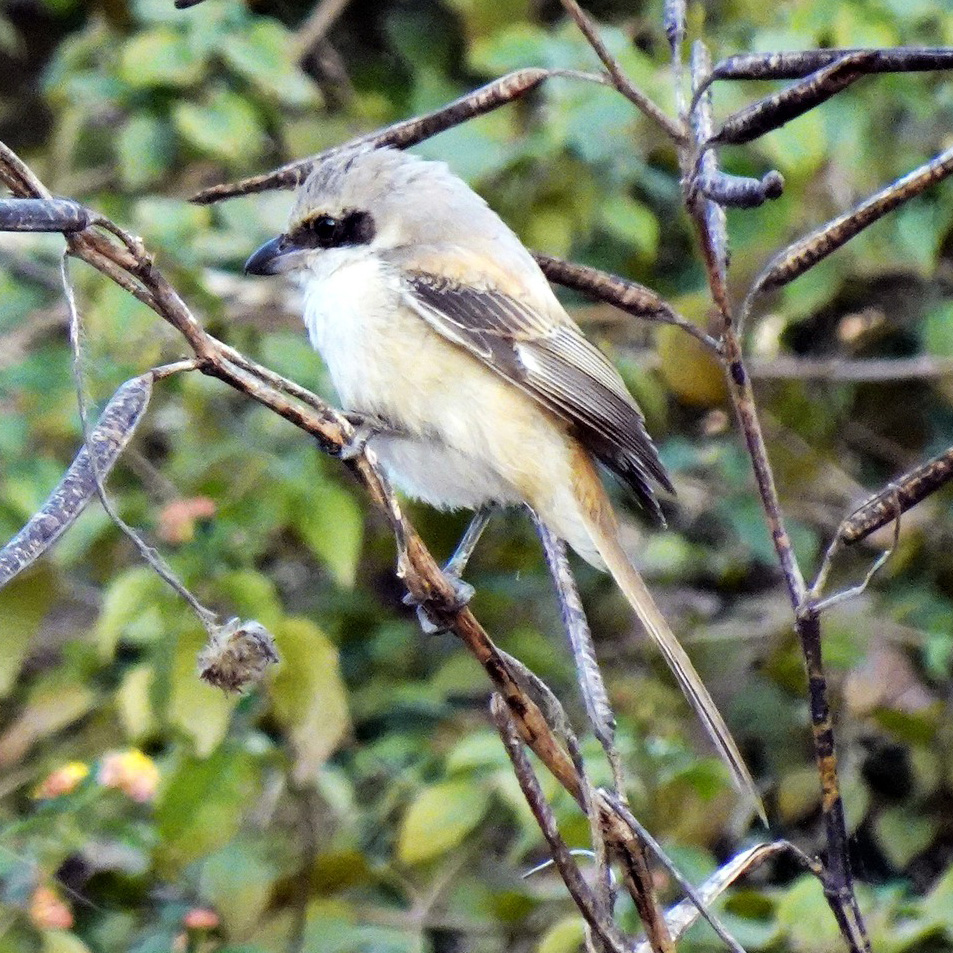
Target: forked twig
(602, 926)
(774, 111)
(622, 82)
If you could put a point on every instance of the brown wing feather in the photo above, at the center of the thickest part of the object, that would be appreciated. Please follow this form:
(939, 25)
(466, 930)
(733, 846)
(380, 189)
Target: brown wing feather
(550, 359)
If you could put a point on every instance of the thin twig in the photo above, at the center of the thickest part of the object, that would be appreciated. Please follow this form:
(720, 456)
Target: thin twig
(839, 369)
(622, 83)
(147, 552)
(316, 26)
(594, 694)
(836, 877)
(601, 925)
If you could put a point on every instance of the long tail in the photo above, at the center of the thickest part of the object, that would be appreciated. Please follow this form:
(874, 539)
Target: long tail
(603, 530)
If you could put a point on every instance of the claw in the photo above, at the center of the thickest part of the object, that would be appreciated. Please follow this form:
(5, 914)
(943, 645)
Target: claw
(365, 427)
(463, 592)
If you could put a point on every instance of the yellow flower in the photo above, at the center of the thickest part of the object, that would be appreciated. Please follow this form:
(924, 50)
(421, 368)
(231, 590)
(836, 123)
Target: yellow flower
(62, 781)
(132, 772)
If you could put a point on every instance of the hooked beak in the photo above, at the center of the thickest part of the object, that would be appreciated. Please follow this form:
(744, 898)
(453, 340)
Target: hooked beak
(273, 257)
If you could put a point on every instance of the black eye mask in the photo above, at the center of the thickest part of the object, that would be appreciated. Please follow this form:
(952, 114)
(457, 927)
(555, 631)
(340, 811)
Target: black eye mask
(326, 231)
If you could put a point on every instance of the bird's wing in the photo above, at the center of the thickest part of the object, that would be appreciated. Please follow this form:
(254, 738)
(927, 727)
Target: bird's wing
(535, 345)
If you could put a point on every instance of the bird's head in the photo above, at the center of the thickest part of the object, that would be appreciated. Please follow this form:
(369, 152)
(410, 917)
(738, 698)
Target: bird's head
(371, 199)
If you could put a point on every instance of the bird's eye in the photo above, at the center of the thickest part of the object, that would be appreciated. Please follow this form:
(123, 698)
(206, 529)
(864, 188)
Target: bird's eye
(352, 227)
(323, 229)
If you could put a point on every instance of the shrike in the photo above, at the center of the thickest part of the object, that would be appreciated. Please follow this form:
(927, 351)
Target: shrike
(434, 319)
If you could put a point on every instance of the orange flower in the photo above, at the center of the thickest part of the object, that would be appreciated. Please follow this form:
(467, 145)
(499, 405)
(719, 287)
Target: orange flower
(201, 918)
(48, 911)
(62, 781)
(132, 772)
(177, 519)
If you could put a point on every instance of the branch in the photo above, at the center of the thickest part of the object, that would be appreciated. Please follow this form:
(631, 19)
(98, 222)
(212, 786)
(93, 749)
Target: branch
(798, 63)
(402, 134)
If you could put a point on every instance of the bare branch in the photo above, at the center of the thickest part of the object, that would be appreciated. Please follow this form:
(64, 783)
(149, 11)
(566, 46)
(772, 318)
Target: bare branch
(673, 20)
(316, 26)
(593, 688)
(815, 247)
(709, 216)
(774, 111)
(628, 296)
(799, 63)
(601, 925)
(695, 898)
(43, 215)
(869, 370)
(402, 134)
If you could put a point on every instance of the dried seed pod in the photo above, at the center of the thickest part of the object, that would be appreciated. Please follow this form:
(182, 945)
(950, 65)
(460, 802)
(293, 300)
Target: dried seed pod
(237, 654)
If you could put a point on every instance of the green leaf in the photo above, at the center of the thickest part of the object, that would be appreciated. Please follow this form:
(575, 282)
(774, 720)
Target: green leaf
(145, 147)
(54, 702)
(937, 906)
(798, 148)
(564, 936)
(938, 330)
(161, 57)
(24, 603)
(251, 595)
(439, 819)
(331, 524)
(130, 610)
(60, 941)
(202, 806)
(238, 882)
(199, 710)
(806, 919)
(262, 53)
(133, 699)
(308, 695)
(513, 47)
(172, 224)
(225, 127)
(902, 834)
(633, 222)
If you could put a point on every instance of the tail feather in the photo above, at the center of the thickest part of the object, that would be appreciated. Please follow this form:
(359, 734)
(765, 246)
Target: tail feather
(603, 530)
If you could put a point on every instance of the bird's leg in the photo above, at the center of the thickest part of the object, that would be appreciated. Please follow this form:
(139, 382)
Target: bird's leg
(365, 426)
(453, 570)
(461, 555)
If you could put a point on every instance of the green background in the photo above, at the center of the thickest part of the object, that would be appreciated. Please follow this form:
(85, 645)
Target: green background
(360, 800)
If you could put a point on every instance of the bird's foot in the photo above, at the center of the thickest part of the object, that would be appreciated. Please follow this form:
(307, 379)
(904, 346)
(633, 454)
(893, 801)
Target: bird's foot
(430, 622)
(365, 427)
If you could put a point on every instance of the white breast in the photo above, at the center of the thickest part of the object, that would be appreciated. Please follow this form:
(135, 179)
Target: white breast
(467, 435)
(347, 303)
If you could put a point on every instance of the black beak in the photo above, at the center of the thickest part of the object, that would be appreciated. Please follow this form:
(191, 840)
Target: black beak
(267, 260)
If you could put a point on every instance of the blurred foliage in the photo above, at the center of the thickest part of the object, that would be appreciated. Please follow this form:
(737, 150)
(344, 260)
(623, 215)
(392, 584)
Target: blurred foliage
(359, 800)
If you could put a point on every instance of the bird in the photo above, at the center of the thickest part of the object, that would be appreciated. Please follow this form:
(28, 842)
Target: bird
(437, 324)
